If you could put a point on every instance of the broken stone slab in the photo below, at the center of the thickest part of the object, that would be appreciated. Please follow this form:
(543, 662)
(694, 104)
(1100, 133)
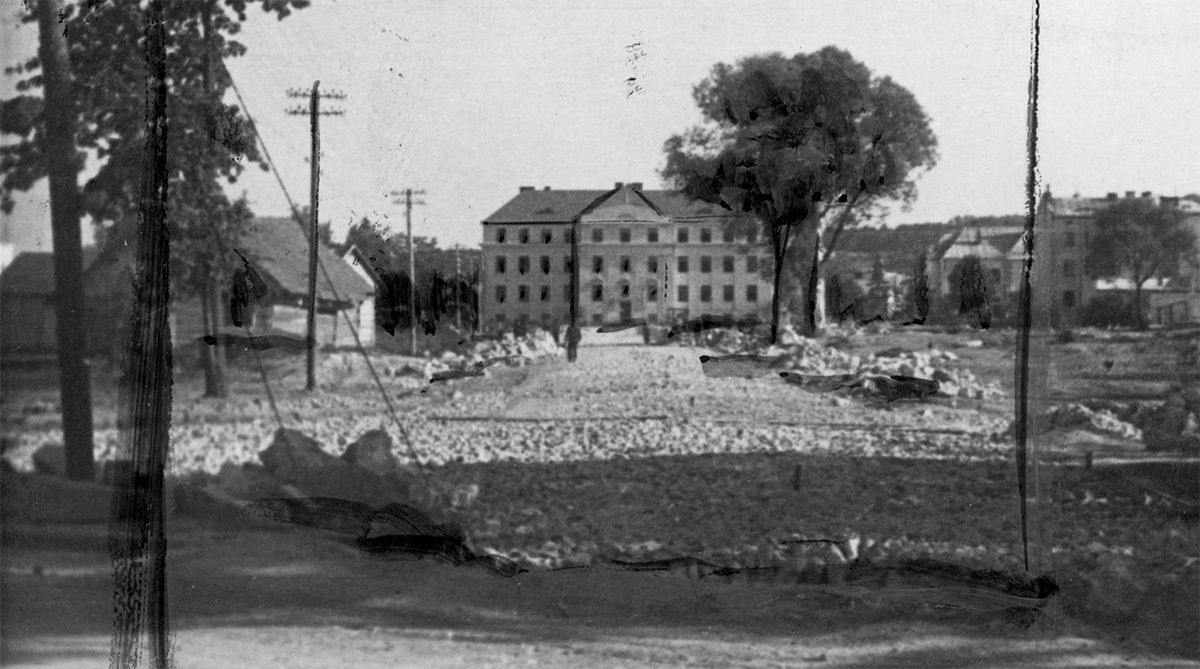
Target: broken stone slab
(296, 459)
(373, 452)
(50, 459)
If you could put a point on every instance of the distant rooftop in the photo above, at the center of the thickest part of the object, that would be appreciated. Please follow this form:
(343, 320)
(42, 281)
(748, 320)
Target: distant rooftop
(546, 205)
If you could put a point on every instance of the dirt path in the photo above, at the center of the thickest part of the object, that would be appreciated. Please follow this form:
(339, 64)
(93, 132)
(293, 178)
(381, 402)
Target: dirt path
(284, 598)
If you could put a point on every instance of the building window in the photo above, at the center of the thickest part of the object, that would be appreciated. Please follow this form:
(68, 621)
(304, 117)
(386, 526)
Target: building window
(752, 236)
(522, 293)
(706, 293)
(683, 235)
(500, 234)
(751, 293)
(652, 235)
(1068, 268)
(752, 264)
(501, 293)
(652, 293)
(705, 235)
(683, 293)
(597, 293)
(682, 264)
(727, 236)
(652, 264)
(727, 293)
(567, 264)
(545, 293)
(705, 264)
(597, 264)
(626, 235)
(501, 264)
(567, 293)
(625, 264)
(524, 235)
(1069, 239)
(727, 264)
(522, 264)
(545, 263)
(547, 236)
(624, 289)
(1068, 299)
(597, 235)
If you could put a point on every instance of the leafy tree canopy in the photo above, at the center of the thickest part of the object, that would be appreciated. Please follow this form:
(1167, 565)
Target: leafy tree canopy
(208, 140)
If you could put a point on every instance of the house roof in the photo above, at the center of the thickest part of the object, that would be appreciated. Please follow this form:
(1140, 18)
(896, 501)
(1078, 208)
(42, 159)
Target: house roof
(32, 272)
(562, 206)
(898, 248)
(278, 249)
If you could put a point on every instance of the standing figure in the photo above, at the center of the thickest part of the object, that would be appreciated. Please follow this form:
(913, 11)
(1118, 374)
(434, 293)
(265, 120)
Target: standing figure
(573, 337)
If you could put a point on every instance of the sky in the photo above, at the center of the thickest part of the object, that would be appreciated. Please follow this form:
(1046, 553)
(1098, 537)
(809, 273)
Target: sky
(468, 101)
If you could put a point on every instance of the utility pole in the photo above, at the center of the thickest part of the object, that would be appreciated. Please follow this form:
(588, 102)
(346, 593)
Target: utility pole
(314, 114)
(408, 194)
(457, 288)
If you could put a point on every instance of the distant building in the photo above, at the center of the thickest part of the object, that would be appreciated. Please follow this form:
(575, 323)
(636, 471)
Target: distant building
(1065, 228)
(657, 255)
(27, 310)
(278, 250)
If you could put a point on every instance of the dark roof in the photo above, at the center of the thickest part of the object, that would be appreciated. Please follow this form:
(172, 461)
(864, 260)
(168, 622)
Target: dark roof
(278, 249)
(562, 206)
(32, 272)
(898, 248)
(1004, 243)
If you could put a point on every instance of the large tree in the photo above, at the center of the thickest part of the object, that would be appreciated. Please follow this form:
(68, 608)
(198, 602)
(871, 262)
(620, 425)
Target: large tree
(211, 141)
(807, 145)
(1140, 239)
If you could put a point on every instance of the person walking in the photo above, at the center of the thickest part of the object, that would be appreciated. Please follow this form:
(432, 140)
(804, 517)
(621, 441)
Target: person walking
(573, 337)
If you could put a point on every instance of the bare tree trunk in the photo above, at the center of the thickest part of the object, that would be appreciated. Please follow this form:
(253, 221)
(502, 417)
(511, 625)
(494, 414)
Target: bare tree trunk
(59, 149)
(1137, 304)
(776, 297)
(810, 314)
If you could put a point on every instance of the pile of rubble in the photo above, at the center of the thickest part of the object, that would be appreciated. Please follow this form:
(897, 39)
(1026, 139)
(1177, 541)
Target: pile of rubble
(478, 354)
(809, 356)
(1079, 416)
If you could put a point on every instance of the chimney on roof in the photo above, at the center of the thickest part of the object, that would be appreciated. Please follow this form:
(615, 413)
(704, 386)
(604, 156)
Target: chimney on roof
(619, 185)
(1130, 193)
(1112, 196)
(526, 188)
(546, 188)
(636, 185)
(1146, 193)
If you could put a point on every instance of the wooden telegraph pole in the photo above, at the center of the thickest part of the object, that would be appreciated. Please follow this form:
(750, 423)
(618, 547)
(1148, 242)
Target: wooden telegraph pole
(408, 194)
(314, 114)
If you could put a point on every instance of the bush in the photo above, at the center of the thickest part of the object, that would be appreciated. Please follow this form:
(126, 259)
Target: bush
(1109, 311)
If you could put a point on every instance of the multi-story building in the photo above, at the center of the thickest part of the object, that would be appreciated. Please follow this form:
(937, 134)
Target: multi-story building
(1063, 286)
(657, 255)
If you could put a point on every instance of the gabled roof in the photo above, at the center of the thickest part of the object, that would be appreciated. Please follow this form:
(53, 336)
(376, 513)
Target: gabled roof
(32, 272)
(562, 206)
(278, 249)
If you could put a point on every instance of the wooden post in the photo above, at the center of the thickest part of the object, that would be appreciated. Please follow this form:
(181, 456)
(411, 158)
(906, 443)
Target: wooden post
(314, 107)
